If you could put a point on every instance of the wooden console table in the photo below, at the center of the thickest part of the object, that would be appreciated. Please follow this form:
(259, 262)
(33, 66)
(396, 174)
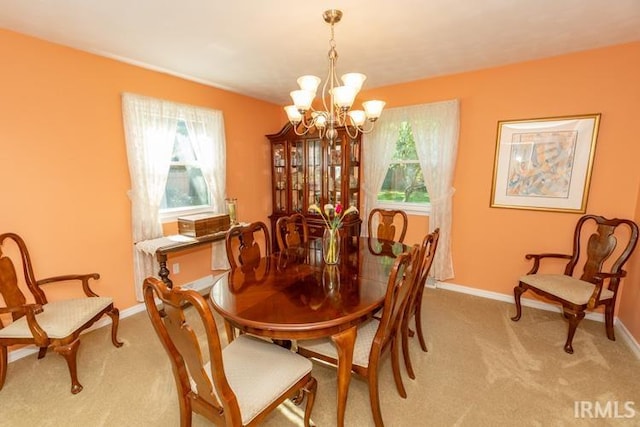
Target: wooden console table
(163, 246)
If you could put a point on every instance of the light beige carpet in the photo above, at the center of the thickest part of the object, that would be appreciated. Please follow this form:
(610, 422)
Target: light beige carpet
(482, 369)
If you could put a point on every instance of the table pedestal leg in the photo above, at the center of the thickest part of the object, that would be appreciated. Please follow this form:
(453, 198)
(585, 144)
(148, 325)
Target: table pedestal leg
(164, 271)
(345, 342)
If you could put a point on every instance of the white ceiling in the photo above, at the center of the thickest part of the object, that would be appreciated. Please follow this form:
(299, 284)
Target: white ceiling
(259, 47)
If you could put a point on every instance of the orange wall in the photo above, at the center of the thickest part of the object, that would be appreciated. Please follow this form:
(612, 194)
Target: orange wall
(65, 176)
(63, 162)
(489, 244)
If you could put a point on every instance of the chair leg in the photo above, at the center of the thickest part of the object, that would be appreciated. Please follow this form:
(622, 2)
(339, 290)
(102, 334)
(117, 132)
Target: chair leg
(42, 352)
(3, 365)
(374, 397)
(517, 293)
(186, 410)
(404, 329)
(310, 390)
(608, 319)
(574, 320)
(418, 320)
(115, 321)
(69, 352)
(395, 364)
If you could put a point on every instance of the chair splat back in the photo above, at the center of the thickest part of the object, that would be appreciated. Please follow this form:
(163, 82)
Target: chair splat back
(243, 239)
(387, 227)
(291, 231)
(9, 280)
(600, 246)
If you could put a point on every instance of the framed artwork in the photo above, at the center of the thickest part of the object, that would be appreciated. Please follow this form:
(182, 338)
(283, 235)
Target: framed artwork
(544, 164)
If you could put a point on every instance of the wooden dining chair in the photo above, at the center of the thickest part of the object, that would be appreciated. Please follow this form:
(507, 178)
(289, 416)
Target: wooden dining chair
(387, 224)
(608, 244)
(238, 385)
(56, 324)
(291, 231)
(243, 243)
(375, 336)
(423, 264)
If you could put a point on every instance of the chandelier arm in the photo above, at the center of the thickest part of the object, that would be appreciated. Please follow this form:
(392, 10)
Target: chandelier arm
(355, 133)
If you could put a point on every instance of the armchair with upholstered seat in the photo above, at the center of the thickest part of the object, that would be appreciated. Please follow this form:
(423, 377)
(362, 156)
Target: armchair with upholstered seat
(42, 323)
(602, 246)
(238, 385)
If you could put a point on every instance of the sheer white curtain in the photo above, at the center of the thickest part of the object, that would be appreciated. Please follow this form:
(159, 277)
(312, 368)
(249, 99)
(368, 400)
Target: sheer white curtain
(150, 126)
(377, 152)
(435, 128)
(206, 129)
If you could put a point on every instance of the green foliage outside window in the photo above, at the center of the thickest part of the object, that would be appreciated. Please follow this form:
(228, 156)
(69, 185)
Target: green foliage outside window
(186, 186)
(404, 182)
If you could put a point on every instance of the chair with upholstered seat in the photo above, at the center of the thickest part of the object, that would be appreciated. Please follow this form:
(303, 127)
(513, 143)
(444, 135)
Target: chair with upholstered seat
(387, 224)
(291, 231)
(426, 255)
(602, 246)
(238, 385)
(375, 336)
(42, 323)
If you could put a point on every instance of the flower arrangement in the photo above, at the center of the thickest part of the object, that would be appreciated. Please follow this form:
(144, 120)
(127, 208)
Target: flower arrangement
(332, 217)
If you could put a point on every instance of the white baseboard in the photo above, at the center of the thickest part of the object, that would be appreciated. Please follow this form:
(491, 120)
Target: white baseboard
(201, 283)
(599, 317)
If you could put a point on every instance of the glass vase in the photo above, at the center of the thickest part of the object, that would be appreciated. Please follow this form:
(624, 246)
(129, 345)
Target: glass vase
(232, 210)
(331, 246)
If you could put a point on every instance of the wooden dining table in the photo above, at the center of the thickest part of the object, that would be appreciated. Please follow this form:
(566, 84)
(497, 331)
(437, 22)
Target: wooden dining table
(294, 295)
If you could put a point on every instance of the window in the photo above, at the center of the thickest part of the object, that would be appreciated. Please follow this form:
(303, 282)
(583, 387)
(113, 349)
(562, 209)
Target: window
(177, 164)
(403, 186)
(186, 189)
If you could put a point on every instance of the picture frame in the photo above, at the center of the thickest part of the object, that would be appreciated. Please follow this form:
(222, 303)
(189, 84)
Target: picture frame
(544, 164)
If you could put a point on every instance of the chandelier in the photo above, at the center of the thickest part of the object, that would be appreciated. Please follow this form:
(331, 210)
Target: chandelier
(337, 99)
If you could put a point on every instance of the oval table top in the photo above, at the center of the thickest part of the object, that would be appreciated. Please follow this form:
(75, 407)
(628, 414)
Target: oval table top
(295, 295)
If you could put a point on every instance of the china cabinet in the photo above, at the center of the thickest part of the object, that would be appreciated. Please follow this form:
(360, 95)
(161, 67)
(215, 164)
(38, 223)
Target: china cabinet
(308, 170)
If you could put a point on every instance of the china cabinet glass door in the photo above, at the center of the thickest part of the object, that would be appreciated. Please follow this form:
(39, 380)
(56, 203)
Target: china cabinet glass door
(353, 161)
(280, 178)
(296, 170)
(334, 172)
(314, 172)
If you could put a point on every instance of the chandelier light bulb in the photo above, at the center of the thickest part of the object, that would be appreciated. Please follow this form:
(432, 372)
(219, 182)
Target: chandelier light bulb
(354, 80)
(343, 96)
(357, 117)
(373, 109)
(302, 99)
(293, 114)
(320, 119)
(309, 83)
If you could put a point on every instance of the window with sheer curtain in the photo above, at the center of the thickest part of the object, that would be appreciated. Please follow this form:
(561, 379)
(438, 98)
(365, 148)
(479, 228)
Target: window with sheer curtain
(177, 164)
(434, 129)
